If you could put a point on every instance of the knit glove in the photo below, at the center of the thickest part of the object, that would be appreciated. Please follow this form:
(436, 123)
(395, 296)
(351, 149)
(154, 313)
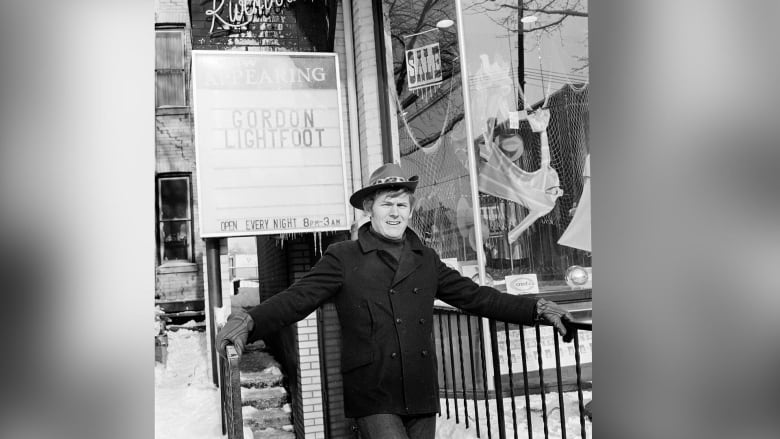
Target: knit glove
(235, 331)
(553, 314)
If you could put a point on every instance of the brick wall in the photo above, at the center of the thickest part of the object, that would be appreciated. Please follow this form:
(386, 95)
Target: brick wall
(330, 352)
(310, 380)
(175, 152)
(272, 267)
(367, 88)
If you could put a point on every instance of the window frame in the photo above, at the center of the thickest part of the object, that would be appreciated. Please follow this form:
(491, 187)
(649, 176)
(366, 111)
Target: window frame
(159, 229)
(179, 29)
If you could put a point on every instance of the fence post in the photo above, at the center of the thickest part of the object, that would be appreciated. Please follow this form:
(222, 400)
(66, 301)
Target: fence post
(215, 298)
(497, 378)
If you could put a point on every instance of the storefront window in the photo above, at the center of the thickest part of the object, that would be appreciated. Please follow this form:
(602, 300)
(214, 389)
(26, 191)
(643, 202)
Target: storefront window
(175, 218)
(430, 126)
(527, 82)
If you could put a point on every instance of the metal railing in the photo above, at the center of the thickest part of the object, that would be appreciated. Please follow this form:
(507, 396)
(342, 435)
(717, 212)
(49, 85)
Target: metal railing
(230, 395)
(480, 381)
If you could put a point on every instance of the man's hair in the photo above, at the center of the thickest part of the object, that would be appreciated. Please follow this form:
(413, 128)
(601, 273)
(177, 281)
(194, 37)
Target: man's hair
(368, 201)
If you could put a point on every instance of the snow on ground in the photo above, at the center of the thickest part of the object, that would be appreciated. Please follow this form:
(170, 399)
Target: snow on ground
(570, 409)
(186, 402)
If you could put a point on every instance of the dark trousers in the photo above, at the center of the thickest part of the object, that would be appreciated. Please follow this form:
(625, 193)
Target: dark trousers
(386, 426)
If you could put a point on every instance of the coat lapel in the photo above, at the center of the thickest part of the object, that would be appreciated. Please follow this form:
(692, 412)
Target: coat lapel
(410, 260)
(411, 257)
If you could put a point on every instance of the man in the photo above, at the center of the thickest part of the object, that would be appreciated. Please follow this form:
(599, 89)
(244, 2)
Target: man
(384, 285)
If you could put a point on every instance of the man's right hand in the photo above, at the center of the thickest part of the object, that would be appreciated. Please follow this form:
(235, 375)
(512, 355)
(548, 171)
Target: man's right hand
(235, 332)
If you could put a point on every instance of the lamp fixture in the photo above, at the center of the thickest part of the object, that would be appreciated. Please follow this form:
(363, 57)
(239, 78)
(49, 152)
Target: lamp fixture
(445, 23)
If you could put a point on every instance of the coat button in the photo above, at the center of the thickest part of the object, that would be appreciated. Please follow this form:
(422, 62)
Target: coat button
(416, 290)
(398, 320)
(392, 291)
(424, 353)
(393, 355)
(422, 321)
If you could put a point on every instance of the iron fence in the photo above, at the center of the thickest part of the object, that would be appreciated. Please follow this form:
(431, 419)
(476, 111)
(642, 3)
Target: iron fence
(480, 382)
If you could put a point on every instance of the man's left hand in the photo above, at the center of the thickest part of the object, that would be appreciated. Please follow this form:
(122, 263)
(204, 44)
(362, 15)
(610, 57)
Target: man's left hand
(553, 314)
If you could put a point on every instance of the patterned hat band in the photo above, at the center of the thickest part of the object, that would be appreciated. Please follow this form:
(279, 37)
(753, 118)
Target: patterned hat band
(389, 180)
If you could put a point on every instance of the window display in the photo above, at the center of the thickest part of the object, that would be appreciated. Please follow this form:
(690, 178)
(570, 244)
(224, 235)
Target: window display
(528, 122)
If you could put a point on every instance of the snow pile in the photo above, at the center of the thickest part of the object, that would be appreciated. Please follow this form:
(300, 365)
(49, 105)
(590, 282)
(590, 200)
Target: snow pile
(186, 400)
(158, 325)
(447, 428)
(187, 403)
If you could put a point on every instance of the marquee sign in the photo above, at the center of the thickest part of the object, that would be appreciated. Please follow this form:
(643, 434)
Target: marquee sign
(239, 13)
(269, 144)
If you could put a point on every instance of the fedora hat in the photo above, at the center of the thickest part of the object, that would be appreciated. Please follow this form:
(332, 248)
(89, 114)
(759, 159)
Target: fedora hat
(386, 176)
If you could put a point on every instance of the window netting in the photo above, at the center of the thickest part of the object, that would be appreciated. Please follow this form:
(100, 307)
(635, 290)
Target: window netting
(442, 212)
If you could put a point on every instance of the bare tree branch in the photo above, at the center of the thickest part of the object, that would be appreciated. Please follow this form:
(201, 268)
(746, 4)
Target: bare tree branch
(568, 12)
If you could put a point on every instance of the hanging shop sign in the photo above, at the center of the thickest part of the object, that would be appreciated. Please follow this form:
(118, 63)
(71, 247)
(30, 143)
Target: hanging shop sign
(423, 63)
(236, 14)
(269, 143)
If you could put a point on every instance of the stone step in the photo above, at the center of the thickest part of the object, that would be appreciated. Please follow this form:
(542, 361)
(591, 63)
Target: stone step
(269, 397)
(272, 433)
(266, 418)
(255, 361)
(259, 369)
(271, 377)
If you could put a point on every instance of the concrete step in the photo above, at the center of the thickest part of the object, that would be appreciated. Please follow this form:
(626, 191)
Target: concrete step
(266, 418)
(259, 369)
(269, 397)
(256, 361)
(272, 433)
(271, 377)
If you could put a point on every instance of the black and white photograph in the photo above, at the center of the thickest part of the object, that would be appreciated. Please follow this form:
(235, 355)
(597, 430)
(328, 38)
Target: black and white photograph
(374, 219)
(380, 219)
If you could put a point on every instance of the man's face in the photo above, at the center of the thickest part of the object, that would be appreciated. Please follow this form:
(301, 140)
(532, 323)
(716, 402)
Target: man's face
(390, 214)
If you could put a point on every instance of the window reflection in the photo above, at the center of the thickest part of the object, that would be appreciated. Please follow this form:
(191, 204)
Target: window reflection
(528, 87)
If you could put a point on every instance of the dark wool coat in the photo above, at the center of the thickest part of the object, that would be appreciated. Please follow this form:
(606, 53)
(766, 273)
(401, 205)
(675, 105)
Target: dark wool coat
(388, 358)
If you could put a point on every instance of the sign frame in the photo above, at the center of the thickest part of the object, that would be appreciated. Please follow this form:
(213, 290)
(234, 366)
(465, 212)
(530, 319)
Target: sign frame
(198, 115)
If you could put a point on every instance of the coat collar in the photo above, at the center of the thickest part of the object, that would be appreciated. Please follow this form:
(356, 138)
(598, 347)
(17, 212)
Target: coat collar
(410, 260)
(369, 242)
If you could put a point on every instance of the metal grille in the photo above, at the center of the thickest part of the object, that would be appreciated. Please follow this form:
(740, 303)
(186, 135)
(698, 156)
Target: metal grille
(539, 385)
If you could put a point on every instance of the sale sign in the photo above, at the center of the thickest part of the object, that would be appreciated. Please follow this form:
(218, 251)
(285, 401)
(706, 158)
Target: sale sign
(423, 62)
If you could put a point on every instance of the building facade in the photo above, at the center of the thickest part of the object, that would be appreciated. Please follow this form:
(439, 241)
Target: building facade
(488, 107)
